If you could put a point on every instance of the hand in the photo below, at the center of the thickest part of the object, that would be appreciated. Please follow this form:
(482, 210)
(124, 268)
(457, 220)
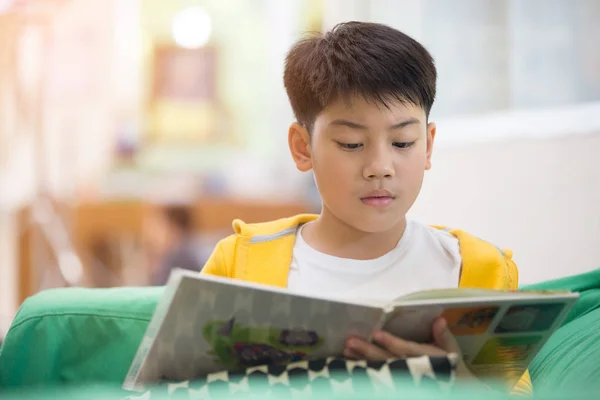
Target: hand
(390, 346)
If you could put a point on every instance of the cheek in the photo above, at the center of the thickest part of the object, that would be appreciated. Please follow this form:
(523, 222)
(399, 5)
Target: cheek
(417, 159)
(333, 174)
(412, 168)
(415, 164)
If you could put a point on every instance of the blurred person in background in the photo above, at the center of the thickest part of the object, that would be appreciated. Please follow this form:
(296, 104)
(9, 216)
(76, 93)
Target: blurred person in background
(173, 230)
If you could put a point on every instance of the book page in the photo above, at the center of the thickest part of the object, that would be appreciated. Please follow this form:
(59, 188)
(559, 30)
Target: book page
(214, 324)
(498, 337)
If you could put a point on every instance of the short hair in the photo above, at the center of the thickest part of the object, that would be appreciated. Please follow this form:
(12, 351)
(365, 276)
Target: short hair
(358, 58)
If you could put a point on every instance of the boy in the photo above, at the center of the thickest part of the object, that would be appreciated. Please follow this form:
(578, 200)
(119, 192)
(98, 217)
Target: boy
(361, 95)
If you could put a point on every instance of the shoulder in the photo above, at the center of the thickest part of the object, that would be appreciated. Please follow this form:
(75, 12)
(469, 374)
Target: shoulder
(435, 236)
(221, 260)
(484, 264)
(277, 227)
(227, 252)
(438, 243)
(441, 234)
(471, 242)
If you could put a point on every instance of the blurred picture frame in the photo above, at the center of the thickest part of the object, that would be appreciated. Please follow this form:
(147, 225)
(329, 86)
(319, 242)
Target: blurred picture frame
(185, 75)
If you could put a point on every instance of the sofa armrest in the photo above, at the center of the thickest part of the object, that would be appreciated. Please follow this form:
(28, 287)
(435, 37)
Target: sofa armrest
(76, 335)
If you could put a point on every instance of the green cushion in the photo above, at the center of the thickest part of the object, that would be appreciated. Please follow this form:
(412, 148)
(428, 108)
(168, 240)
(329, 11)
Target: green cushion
(570, 358)
(82, 336)
(587, 284)
(76, 335)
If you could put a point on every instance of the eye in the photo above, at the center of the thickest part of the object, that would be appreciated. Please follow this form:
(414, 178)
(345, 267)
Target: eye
(403, 145)
(349, 146)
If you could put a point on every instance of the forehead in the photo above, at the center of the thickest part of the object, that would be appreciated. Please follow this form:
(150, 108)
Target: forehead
(357, 108)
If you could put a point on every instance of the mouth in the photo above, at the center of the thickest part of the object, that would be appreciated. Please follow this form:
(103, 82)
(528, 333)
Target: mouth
(378, 198)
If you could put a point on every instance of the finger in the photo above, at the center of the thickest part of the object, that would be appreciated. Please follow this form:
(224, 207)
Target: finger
(405, 348)
(351, 355)
(444, 338)
(367, 351)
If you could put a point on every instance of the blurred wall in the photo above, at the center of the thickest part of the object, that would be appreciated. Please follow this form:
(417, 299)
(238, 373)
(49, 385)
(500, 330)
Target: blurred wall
(496, 54)
(8, 274)
(533, 186)
(73, 80)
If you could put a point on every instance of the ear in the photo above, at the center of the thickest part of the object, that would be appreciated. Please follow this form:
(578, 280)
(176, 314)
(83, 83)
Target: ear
(431, 128)
(299, 142)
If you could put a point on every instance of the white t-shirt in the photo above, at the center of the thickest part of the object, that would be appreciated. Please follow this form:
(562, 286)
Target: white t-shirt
(424, 258)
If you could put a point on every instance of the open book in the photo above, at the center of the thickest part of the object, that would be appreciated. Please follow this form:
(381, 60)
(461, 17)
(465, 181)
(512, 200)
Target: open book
(206, 324)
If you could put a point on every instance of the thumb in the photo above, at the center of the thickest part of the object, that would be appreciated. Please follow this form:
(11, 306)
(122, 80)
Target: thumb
(444, 339)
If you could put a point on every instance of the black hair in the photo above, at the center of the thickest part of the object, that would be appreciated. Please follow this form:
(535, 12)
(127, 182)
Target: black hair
(373, 60)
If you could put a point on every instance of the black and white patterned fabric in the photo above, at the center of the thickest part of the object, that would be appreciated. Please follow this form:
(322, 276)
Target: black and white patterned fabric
(326, 377)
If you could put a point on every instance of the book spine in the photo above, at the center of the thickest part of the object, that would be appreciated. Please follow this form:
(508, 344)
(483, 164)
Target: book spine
(151, 331)
(379, 324)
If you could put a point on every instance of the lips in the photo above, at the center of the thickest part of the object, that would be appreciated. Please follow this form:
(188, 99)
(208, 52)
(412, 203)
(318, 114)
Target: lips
(378, 193)
(378, 198)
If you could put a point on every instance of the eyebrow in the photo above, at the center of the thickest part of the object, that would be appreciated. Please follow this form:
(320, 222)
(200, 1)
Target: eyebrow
(354, 125)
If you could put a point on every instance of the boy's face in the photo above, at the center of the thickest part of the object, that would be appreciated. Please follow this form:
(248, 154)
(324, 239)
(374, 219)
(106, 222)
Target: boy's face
(368, 160)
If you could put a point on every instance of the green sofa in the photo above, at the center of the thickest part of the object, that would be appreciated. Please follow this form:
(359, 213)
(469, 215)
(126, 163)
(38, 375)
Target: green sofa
(81, 342)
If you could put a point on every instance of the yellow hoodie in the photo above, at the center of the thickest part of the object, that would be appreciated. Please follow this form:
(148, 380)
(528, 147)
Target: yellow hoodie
(262, 253)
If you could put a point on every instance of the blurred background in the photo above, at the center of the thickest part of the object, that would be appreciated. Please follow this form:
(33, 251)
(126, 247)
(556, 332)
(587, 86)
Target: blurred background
(132, 132)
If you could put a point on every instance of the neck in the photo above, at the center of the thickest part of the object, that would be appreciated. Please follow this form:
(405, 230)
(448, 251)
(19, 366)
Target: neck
(332, 236)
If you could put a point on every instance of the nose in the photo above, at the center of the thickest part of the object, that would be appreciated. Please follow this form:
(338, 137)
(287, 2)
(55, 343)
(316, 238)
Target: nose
(378, 165)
